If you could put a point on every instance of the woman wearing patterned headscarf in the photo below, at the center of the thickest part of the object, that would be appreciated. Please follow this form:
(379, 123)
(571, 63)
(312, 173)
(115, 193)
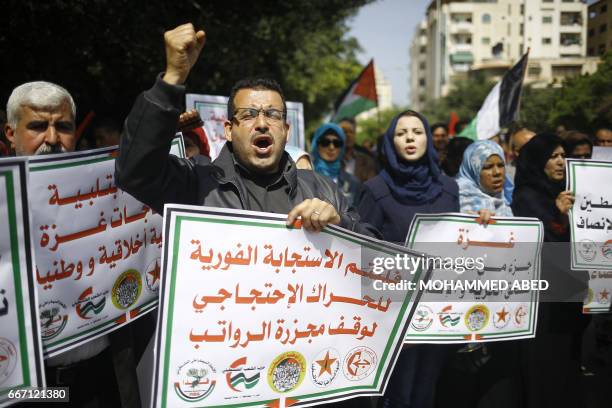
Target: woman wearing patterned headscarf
(481, 180)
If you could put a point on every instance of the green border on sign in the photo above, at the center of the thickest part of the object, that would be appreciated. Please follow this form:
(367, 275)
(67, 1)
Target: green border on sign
(572, 188)
(451, 337)
(14, 239)
(280, 225)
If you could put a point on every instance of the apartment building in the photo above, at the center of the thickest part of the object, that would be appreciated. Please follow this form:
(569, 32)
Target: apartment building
(489, 36)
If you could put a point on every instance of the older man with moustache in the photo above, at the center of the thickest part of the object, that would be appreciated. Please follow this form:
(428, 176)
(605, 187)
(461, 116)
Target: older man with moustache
(41, 120)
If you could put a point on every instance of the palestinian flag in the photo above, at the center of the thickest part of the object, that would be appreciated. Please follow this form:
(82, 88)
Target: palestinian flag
(359, 97)
(501, 106)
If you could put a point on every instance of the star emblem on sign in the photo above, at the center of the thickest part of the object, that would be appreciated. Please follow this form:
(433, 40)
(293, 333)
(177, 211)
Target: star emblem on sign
(501, 315)
(154, 273)
(325, 364)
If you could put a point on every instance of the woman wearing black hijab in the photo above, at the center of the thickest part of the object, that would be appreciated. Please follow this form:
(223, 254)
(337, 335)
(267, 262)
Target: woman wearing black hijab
(411, 182)
(551, 361)
(539, 186)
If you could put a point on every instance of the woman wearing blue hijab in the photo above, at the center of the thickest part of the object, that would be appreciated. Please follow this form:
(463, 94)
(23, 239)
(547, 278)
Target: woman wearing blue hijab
(411, 182)
(328, 148)
(481, 180)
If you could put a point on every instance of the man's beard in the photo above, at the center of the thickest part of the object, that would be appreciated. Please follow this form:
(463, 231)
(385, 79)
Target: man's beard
(49, 149)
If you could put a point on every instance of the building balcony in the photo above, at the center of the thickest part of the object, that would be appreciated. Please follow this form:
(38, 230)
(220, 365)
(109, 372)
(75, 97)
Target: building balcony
(574, 49)
(453, 48)
(461, 28)
(463, 57)
(574, 29)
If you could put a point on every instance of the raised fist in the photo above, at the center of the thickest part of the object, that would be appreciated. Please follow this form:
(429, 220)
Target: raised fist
(183, 46)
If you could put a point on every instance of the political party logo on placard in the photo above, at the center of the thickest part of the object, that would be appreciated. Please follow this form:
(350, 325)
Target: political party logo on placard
(127, 289)
(8, 359)
(422, 319)
(325, 367)
(195, 380)
(590, 296)
(606, 249)
(520, 315)
(287, 371)
(603, 297)
(501, 317)
(587, 249)
(242, 377)
(448, 318)
(53, 319)
(477, 317)
(152, 275)
(359, 363)
(89, 304)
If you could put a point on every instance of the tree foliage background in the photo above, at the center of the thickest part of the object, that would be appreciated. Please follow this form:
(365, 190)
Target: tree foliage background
(105, 52)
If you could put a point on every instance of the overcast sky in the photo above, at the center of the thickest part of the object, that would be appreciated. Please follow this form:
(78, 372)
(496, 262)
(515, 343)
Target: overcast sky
(384, 30)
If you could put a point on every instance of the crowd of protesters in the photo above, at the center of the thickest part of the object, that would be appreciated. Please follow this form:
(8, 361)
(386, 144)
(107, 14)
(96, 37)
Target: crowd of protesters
(373, 189)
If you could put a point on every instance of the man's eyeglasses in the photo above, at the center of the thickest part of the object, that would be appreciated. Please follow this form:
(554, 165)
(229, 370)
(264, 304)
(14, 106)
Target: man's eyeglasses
(325, 142)
(251, 114)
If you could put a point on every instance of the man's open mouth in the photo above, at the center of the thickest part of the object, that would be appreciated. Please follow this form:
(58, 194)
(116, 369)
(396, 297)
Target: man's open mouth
(263, 144)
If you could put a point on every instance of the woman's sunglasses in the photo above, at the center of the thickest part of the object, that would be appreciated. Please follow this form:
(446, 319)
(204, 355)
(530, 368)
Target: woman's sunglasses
(326, 142)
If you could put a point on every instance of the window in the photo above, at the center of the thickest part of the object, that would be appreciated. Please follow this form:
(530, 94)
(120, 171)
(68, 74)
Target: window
(486, 18)
(423, 49)
(604, 8)
(566, 71)
(601, 50)
(546, 40)
(571, 18)
(521, 29)
(603, 28)
(534, 71)
(421, 81)
(568, 39)
(591, 32)
(486, 40)
(547, 19)
(422, 65)
(591, 51)
(522, 9)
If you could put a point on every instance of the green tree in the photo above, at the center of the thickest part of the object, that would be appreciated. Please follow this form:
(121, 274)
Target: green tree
(106, 52)
(585, 102)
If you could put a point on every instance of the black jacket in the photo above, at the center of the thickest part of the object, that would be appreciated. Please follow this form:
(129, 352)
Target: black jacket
(148, 172)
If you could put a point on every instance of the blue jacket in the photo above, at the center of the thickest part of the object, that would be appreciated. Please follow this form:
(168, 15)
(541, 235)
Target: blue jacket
(391, 217)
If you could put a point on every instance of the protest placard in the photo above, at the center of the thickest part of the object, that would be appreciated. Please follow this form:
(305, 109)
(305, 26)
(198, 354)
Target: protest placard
(591, 216)
(21, 361)
(97, 248)
(485, 279)
(600, 293)
(253, 312)
(213, 111)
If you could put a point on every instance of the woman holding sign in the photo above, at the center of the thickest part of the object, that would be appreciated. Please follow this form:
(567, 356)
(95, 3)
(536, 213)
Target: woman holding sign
(481, 180)
(487, 373)
(551, 364)
(411, 182)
